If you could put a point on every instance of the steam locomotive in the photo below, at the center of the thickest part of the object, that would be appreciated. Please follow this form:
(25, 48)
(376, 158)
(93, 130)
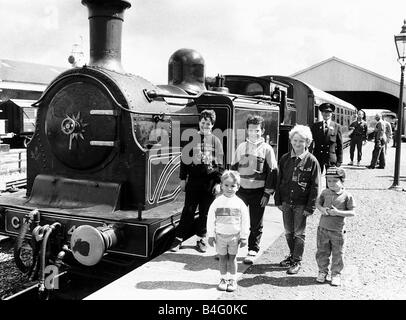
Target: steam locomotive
(103, 162)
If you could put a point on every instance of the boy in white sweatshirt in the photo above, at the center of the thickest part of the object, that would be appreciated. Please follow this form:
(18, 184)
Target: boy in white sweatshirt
(228, 228)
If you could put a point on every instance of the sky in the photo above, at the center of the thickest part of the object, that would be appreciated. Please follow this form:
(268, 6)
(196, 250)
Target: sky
(251, 37)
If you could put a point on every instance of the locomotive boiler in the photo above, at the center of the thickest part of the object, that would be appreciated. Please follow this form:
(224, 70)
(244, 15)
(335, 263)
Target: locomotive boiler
(103, 162)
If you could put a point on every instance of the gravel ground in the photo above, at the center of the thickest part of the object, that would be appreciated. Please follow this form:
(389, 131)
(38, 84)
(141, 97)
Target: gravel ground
(11, 278)
(375, 246)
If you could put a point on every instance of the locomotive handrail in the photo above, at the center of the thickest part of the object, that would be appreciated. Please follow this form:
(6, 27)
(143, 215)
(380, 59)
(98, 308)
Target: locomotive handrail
(118, 104)
(153, 94)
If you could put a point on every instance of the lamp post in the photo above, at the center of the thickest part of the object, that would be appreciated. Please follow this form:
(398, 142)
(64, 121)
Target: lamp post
(400, 41)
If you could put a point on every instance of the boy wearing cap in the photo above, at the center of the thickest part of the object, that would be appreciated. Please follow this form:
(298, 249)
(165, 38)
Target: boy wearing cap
(328, 143)
(334, 203)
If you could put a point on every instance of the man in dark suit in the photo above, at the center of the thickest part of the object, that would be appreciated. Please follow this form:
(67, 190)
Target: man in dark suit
(327, 139)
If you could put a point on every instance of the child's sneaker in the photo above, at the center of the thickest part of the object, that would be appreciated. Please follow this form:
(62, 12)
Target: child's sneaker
(287, 262)
(321, 278)
(294, 268)
(222, 285)
(232, 285)
(336, 281)
(249, 259)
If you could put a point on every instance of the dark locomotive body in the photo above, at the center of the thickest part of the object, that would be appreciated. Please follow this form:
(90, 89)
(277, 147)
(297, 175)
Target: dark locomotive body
(103, 163)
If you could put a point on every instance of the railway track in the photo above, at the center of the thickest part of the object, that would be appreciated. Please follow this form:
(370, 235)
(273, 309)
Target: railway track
(75, 283)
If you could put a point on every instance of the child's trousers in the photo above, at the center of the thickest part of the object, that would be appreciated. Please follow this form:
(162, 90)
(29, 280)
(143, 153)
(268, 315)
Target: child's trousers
(330, 243)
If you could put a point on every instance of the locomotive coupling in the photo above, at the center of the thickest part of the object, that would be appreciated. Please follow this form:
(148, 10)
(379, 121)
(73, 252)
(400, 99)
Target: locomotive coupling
(89, 244)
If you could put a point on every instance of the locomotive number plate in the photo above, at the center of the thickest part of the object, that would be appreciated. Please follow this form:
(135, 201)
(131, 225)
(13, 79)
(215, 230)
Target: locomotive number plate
(15, 219)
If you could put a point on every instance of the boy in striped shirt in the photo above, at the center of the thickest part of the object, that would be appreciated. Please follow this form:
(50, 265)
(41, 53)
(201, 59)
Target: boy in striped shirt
(256, 163)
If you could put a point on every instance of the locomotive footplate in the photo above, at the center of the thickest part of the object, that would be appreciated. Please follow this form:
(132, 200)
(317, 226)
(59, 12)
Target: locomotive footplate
(136, 236)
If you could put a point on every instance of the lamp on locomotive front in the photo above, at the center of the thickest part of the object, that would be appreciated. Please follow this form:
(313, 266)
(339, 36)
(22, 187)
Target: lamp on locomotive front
(400, 41)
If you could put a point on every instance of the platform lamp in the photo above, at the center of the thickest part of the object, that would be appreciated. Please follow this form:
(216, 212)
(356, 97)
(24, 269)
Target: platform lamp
(400, 41)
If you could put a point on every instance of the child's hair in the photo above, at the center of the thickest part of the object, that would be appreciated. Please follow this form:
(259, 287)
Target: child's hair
(231, 174)
(255, 119)
(336, 172)
(208, 114)
(303, 131)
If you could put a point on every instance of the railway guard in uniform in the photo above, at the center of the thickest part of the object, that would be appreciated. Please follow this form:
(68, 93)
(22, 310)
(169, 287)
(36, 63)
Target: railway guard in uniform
(327, 137)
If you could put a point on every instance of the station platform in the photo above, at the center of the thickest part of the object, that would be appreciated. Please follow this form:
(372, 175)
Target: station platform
(186, 274)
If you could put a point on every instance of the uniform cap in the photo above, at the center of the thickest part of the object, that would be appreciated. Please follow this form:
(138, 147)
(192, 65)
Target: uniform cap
(336, 172)
(327, 107)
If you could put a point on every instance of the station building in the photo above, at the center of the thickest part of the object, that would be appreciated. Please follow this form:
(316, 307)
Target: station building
(21, 84)
(362, 88)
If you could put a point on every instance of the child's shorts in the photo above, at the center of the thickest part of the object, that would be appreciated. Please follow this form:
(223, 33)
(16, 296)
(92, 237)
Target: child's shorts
(227, 243)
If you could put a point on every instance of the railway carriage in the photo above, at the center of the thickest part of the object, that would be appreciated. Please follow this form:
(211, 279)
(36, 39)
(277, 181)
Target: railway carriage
(297, 100)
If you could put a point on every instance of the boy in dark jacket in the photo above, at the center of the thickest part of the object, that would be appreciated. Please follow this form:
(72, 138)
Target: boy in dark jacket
(200, 175)
(296, 193)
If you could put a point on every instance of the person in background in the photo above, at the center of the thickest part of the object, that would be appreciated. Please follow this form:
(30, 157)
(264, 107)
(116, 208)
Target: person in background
(358, 136)
(200, 178)
(328, 142)
(256, 162)
(296, 192)
(228, 228)
(335, 204)
(380, 141)
(388, 133)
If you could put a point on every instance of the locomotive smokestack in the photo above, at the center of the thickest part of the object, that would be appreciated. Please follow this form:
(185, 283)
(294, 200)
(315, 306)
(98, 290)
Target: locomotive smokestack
(105, 22)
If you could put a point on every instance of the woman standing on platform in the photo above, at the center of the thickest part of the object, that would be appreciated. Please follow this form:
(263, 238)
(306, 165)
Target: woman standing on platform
(358, 136)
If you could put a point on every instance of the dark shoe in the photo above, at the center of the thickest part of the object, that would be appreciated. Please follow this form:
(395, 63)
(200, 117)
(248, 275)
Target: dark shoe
(294, 268)
(176, 244)
(251, 256)
(201, 246)
(287, 262)
(370, 167)
(381, 167)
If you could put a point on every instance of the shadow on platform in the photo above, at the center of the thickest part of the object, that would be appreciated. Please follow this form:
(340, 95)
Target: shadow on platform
(290, 281)
(173, 285)
(264, 268)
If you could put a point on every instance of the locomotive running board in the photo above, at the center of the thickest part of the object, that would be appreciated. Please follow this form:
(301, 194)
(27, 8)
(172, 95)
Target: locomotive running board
(65, 193)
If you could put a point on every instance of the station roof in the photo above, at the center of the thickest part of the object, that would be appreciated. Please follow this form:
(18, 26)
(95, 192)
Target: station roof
(322, 96)
(335, 74)
(27, 72)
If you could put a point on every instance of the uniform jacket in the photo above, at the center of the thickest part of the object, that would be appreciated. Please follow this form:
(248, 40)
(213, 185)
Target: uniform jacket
(360, 129)
(327, 148)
